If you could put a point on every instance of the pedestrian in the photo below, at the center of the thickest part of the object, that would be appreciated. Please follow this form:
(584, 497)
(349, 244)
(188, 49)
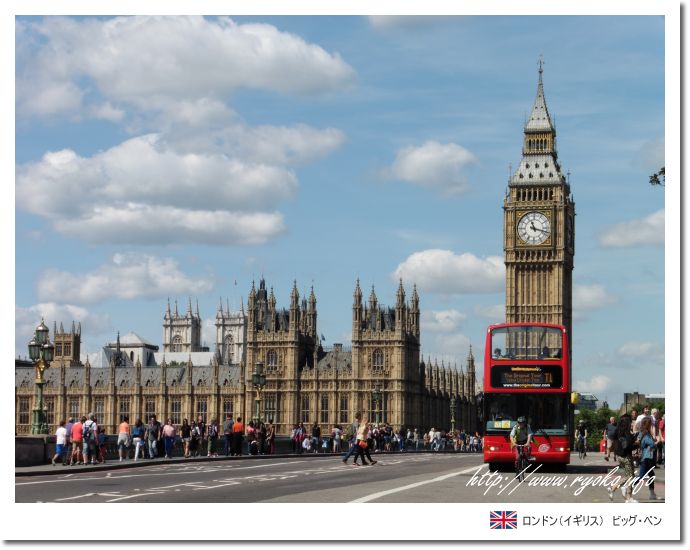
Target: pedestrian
(293, 439)
(153, 434)
(610, 435)
(237, 436)
(647, 452)
(102, 444)
(261, 437)
(351, 436)
(415, 439)
(138, 438)
(661, 440)
(251, 438)
(186, 435)
(60, 442)
(201, 425)
(77, 442)
(362, 444)
(623, 447)
(315, 437)
(169, 434)
(124, 438)
(271, 437)
(212, 438)
(90, 438)
(195, 441)
(227, 433)
(301, 435)
(68, 442)
(336, 435)
(306, 444)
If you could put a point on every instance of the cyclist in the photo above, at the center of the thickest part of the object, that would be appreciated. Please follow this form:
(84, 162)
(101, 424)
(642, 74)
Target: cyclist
(521, 434)
(581, 435)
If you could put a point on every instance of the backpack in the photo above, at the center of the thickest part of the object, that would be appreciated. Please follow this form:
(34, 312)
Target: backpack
(213, 430)
(87, 432)
(350, 432)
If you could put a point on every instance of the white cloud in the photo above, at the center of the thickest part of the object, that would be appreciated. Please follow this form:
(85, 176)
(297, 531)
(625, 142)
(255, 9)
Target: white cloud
(451, 348)
(125, 277)
(596, 384)
(495, 313)
(646, 231)
(448, 320)
(444, 272)
(145, 60)
(26, 319)
(645, 352)
(437, 166)
(590, 297)
(143, 192)
(402, 21)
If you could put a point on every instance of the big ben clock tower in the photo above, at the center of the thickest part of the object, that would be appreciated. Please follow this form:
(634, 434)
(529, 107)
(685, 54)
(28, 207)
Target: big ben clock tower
(539, 228)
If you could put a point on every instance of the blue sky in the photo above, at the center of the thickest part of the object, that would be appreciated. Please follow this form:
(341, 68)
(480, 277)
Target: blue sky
(171, 157)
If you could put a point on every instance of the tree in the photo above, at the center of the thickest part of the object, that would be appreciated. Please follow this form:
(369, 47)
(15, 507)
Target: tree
(658, 178)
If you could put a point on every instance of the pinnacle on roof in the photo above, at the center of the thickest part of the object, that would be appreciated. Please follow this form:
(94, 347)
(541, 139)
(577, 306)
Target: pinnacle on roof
(358, 293)
(400, 294)
(372, 296)
(539, 120)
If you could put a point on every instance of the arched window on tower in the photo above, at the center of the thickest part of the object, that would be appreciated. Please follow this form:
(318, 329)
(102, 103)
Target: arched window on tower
(377, 361)
(176, 344)
(229, 349)
(271, 361)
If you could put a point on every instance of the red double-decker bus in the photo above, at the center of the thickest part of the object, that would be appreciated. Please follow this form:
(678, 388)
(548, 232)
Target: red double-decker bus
(527, 373)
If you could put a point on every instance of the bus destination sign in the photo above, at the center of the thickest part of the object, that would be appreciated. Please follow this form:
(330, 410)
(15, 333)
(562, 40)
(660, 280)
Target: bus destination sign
(526, 376)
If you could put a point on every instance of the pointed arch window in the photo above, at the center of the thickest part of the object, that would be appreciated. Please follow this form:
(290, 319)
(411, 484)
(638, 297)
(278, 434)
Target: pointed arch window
(271, 361)
(176, 343)
(377, 361)
(229, 349)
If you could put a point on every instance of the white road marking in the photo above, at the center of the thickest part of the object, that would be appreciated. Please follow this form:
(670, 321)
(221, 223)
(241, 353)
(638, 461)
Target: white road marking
(380, 494)
(152, 474)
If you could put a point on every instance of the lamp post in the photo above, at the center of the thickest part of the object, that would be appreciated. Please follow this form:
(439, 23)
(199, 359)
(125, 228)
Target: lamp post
(452, 414)
(41, 352)
(376, 396)
(259, 382)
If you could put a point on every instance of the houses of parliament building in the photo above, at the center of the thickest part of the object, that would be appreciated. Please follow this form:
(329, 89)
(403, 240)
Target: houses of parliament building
(381, 374)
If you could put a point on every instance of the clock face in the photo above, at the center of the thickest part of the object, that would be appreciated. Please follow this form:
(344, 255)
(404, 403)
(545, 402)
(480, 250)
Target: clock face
(534, 228)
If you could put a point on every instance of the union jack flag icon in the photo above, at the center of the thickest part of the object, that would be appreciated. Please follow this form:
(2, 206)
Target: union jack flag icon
(503, 520)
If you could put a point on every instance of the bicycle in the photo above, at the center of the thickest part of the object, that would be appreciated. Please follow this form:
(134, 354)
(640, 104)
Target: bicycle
(522, 462)
(582, 448)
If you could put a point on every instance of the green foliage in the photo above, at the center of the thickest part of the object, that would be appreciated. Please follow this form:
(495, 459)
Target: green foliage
(596, 422)
(658, 178)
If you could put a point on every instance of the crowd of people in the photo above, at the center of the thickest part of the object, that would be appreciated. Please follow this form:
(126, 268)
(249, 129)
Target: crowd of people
(82, 441)
(383, 437)
(636, 441)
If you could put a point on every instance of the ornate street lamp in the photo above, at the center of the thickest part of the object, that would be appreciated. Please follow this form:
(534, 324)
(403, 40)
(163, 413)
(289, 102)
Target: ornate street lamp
(452, 414)
(259, 382)
(376, 396)
(41, 352)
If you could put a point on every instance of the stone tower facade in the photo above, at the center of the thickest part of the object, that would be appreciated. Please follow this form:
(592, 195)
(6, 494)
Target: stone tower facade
(231, 334)
(539, 228)
(67, 345)
(182, 333)
(385, 353)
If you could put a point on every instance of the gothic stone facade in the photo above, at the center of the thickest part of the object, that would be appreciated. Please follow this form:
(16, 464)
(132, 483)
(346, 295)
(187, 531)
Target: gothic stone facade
(305, 382)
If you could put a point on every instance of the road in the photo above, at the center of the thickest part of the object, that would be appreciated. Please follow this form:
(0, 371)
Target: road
(427, 477)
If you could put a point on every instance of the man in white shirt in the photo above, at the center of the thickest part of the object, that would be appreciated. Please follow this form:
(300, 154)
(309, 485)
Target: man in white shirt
(60, 442)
